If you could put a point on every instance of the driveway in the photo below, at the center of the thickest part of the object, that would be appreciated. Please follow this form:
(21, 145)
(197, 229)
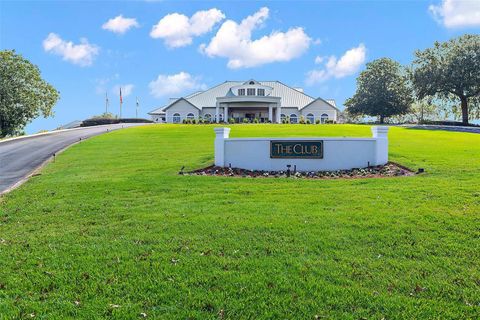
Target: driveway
(444, 128)
(20, 157)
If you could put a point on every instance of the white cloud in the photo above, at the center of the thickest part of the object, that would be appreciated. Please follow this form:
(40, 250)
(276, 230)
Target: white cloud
(81, 54)
(178, 30)
(174, 84)
(319, 59)
(127, 90)
(234, 41)
(120, 25)
(457, 13)
(347, 65)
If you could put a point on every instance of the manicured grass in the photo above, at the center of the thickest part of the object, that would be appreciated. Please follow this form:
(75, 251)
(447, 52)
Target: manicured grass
(111, 231)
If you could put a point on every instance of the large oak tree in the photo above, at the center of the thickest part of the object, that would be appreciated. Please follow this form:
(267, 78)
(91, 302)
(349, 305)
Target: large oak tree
(24, 95)
(449, 70)
(382, 91)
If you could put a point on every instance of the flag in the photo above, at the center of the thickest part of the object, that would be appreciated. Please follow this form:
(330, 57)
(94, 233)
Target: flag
(121, 100)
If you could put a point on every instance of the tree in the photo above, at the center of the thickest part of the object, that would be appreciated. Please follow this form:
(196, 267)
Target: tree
(421, 111)
(24, 95)
(449, 70)
(382, 91)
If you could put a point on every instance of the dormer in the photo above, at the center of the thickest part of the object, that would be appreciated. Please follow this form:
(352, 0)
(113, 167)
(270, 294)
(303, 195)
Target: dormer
(251, 88)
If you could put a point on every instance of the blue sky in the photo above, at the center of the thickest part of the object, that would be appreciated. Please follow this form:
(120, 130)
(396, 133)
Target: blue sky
(161, 49)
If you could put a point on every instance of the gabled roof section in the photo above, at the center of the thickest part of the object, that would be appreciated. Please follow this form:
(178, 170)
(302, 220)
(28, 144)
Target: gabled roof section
(333, 105)
(332, 102)
(163, 109)
(251, 81)
(157, 111)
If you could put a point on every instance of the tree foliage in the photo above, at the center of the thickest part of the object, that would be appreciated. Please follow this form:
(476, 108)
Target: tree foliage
(450, 71)
(382, 91)
(24, 95)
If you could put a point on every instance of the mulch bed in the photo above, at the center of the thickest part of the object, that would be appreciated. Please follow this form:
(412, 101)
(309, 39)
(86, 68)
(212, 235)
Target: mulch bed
(391, 169)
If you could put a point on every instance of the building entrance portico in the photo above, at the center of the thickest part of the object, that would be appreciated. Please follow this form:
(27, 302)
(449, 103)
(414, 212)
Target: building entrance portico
(265, 109)
(238, 114)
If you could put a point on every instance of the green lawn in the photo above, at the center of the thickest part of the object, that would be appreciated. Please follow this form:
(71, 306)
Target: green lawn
(111, 231)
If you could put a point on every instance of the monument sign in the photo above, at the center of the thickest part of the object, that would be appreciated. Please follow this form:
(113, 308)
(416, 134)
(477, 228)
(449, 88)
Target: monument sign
(306, 154)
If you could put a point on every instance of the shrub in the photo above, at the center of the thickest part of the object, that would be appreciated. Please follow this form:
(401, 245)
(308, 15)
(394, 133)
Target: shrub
(329, 122)
(308, 121)
(105, 115)
(194, 121)
(287, 119)
(317, 121)
(231, 121)
(200, 121)
(184, 121)
(256, 120)
(302, 120)
(98, 122)
(245, 120)
(284, 121)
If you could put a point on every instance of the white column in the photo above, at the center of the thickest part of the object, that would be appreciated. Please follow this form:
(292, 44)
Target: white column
(220, 135)
(225, 114)
(217, 113)
(279, 112)
(380, 133)
(270, 113)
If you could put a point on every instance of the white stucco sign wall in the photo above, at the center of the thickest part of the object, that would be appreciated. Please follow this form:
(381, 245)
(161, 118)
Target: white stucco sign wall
(307, 154)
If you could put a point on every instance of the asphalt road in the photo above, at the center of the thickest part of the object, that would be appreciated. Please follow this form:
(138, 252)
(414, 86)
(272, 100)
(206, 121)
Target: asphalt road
(20, 157)
(444, 128)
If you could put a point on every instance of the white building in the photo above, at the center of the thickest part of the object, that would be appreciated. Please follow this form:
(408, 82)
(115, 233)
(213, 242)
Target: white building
(266, 101)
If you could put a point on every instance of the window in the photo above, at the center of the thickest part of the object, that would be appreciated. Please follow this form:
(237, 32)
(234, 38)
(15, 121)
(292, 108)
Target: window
(324, 118)
(176, 118)
(283, 117)
(250, 91)
(190, 116)
(207, 117)
(293, 118)
(251, 82)
(261, 92)
(241, 92)
(311, 118)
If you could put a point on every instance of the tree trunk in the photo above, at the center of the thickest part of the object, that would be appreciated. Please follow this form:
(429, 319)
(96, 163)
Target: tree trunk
(464, 105)
(381, 119)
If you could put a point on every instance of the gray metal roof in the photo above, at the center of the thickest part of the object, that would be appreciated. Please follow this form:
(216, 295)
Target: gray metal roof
(332, 102)
(290, 97)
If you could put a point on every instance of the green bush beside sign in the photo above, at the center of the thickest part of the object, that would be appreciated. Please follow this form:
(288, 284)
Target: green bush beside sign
(296, 149)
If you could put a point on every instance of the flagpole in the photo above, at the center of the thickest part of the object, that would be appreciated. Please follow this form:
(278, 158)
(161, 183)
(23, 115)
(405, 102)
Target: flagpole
(106, 102)
(136, 109)
(121, 101)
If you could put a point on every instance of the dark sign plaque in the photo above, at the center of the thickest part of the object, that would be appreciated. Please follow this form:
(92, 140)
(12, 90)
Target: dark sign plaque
(296, 149)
